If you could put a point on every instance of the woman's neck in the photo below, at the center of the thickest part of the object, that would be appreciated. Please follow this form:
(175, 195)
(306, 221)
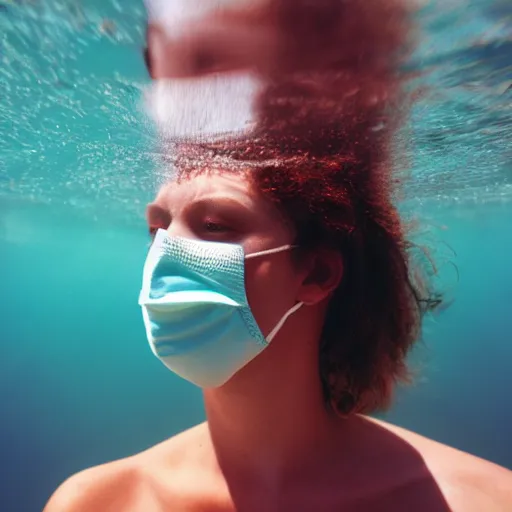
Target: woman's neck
(271, 416)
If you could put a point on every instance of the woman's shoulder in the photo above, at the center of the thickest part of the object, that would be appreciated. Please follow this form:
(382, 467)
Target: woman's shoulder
(111, 486)
(467, 482)
(130, 484)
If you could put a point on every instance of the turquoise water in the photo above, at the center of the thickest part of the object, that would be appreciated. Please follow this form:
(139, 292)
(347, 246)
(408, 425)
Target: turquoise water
(78, 383)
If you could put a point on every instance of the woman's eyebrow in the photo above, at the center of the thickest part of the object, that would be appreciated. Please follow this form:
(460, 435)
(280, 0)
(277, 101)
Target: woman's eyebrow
(212, 202)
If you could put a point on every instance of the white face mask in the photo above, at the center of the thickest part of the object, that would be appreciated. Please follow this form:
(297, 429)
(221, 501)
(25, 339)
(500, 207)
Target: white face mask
(197, 317)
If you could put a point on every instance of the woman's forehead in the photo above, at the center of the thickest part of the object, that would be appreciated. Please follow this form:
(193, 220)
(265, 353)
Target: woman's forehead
(216, 184)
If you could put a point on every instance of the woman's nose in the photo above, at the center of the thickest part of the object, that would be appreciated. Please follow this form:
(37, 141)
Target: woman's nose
(180, 230)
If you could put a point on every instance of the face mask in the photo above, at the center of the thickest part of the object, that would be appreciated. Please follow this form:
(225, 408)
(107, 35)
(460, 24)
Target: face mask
(197, 318)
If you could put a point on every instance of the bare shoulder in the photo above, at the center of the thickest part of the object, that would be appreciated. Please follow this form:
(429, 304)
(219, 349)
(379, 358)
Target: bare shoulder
(112, 486)
(131, 484)
(469, 483)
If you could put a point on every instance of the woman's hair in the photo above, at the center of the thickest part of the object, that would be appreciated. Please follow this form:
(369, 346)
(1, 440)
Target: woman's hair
(323, 152)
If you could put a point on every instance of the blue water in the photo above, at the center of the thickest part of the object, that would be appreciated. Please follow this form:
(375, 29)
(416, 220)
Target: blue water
(78, 384)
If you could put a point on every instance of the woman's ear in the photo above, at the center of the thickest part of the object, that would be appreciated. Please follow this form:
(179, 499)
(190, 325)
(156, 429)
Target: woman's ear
(325, 272)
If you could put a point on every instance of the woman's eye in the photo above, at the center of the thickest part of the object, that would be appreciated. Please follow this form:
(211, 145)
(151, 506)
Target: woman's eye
(215, 227)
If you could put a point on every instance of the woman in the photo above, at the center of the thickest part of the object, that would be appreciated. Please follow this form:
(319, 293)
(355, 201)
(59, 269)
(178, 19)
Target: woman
(281, 282)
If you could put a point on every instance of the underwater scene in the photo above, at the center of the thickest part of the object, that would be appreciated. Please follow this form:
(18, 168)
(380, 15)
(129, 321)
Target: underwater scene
(79, 385)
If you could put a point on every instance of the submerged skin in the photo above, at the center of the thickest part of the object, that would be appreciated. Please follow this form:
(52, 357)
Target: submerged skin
(269, 442)
(409, 472)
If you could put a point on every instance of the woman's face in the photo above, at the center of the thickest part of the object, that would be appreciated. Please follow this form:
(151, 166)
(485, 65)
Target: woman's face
(224, 207)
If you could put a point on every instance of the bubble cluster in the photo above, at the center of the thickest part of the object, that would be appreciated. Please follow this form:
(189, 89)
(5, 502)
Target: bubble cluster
(74, 130)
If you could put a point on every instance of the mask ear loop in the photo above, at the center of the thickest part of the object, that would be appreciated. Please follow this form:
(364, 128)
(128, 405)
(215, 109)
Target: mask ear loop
(297, 306)
(281, 322)
(270, 251)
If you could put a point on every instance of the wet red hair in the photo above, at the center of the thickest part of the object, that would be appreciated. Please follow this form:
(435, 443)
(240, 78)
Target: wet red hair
(323, 152)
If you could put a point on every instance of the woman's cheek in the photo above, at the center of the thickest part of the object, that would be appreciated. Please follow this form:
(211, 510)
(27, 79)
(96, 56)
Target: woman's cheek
(270, 292)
